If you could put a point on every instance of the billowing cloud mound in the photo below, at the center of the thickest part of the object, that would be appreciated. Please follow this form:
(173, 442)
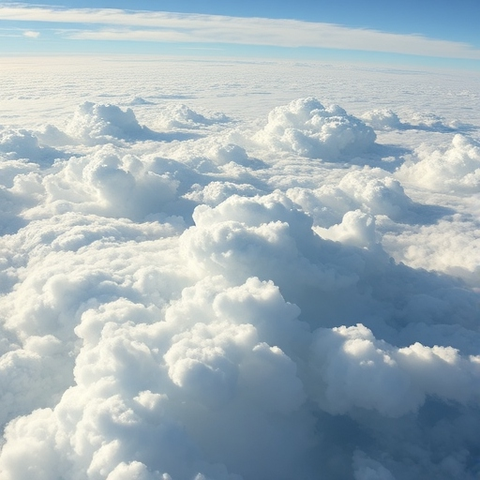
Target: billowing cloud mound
(108, 182)
(216, 308)
(400, 378)
(454, 169)
(173, 352)
(387, 119)
(456, 251)
(382, 119)
(305, 127)
(23, 144)
(182, 116)
(431, 122)
(96, 124)
(217, 192)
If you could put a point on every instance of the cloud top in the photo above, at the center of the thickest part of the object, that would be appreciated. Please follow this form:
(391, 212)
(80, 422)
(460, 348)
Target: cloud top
(305, 127)
(226, 305)
(97, 123)
(455, 168)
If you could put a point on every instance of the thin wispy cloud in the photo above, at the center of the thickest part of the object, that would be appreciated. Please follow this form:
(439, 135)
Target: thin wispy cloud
(31, 34)
(117, 24)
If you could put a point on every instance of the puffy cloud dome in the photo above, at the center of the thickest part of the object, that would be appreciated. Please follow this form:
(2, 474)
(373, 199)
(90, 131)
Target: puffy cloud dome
(305, 127)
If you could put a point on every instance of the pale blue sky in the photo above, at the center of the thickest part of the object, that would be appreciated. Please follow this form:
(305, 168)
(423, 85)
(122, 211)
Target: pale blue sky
(418, 32)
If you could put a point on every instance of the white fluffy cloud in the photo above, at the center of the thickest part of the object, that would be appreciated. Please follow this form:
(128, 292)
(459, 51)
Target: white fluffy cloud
(23, 144)
(382, 119)
(182, 116)
(399, 379)
(96, 123)
(187, 297)
(305, 127)
(453, 169)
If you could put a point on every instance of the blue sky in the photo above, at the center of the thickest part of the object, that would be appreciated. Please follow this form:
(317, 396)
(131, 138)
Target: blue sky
(420, 32)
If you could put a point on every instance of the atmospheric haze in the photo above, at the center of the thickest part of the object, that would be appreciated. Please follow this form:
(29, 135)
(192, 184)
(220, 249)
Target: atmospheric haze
(225, 270)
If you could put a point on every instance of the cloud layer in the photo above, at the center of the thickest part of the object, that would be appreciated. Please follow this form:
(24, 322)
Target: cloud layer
(188, 295)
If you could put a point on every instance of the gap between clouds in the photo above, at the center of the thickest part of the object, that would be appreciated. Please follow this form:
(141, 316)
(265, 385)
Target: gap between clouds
(201, 28)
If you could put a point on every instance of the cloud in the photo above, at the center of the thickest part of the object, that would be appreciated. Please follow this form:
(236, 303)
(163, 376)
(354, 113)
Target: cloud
(181, 116)
(97, 123)
(388, 120)
(452, 169)
(199, 28)
(382, 119)
(103, 183)
(31, 34)
(367, 469)
(232, 304)
(399, 379)
(450, 246)
(305, 127)
(24, 144)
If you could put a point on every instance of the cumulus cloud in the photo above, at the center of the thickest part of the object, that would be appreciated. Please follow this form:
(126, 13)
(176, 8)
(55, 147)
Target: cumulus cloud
(216, 192)
(181, 116)
(96, 123)
(382, 119)
(399, 379)
(305, 127)
(220, 307)
(24, 144)
(106, 182)
(387, 120)
(364, 193)
(452, 169)
(450, 246)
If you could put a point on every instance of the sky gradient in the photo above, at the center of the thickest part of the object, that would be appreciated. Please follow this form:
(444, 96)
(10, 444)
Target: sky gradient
(429, 33)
